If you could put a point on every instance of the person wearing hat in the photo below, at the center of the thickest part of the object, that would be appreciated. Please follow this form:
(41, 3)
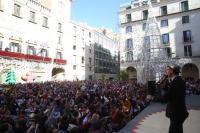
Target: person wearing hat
(176, 109)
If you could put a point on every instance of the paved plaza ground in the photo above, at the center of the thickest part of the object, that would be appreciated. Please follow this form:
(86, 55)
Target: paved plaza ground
(153, 120)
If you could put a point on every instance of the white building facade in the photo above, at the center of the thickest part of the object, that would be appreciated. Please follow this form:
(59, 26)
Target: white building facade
(34, 37)
(80, 63)
(88, 43)
(179, 33)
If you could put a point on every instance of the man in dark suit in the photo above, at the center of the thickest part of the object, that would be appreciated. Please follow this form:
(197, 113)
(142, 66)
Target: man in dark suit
(176, 109)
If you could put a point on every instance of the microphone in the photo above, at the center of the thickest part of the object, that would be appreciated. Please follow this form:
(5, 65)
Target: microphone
(165, 77)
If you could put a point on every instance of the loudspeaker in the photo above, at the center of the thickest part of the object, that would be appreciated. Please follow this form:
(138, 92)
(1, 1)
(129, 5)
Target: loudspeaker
(152, 87)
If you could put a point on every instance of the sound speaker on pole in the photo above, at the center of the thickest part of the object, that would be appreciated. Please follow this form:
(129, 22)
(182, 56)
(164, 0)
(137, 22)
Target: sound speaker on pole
(151, 87)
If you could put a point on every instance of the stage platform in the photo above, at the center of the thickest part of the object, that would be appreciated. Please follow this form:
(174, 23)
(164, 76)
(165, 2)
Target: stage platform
(152, 119)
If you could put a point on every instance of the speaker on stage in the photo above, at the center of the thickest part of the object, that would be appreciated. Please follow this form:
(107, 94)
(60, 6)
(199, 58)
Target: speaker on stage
(152, 87)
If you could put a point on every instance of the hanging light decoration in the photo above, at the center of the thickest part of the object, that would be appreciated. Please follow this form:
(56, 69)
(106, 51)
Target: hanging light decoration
(152, 56)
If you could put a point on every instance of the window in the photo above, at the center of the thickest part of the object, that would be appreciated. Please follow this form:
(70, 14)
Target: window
(32, 17)
(90, 68)
(90, 34)
(184, 6)
(59, 27)
(128, 29)
(7, 49)
(74, 67)
(90, 51)
(90, 60)
(15, 47)
(147, 39)
(168, 51)
(96, 70)
(187, 50)
(58, 55)
(100, 63)
(96, 62)
(31, 50)
(187, 36)
(43, 53)
(1, 44)
(45, 22)
(145, 14)
(82, 59)
(129, 7)
(185, 19)
(144, 26)
(163, 10)
(90, 43)
(136, 4)
(129, 43)
(74, 47)
(163, 23)
(74, 56)
(153, 1)
(74, 31)
(128, 17)
(90, 77)
(129, 56)
(17, 10)
(59, 40)
(144, 3)
(165, 38)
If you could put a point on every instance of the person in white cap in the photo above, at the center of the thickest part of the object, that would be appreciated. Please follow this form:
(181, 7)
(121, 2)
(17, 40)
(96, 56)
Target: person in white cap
(176, 109)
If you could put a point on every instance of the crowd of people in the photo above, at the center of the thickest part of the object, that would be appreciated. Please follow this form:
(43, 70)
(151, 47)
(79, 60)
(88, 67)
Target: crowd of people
(162, 86)
(193, 86)
(70, 107)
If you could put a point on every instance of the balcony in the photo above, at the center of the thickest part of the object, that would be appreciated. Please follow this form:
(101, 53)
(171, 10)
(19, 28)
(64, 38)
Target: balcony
(22, 56)
(38, 58)
(60, 61)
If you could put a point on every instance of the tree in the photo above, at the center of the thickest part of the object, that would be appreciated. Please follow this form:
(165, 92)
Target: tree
(123, 76)
(11, 77)
(103, 77)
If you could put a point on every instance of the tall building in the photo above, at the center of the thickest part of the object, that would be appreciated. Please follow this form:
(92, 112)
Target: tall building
(80, 63)
(34, 37)
(93, 53)
(106, 54)
(179, 33)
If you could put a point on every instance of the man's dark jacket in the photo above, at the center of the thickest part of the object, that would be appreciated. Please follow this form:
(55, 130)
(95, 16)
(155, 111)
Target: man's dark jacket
(176, 108)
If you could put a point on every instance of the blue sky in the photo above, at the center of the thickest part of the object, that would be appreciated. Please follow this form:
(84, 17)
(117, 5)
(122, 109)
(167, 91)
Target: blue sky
(97, 13)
